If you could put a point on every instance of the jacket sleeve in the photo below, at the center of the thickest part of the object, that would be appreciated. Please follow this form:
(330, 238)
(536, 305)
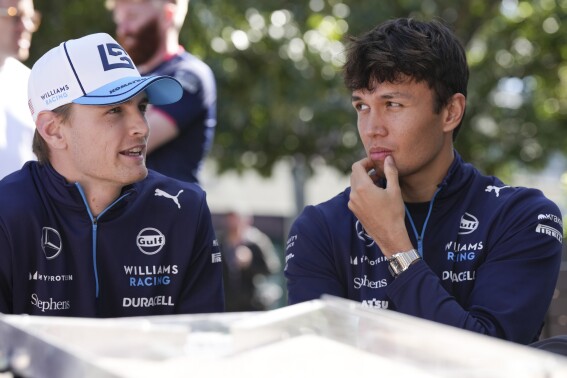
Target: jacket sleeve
(198, 99)
(203, 285)
(309, 263)
(5, 273)
(514, 285)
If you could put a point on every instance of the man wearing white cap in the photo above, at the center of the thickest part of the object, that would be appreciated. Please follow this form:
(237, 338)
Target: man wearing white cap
(87, 230)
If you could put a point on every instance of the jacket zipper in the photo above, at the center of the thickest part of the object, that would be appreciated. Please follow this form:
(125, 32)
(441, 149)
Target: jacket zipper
(94, 223)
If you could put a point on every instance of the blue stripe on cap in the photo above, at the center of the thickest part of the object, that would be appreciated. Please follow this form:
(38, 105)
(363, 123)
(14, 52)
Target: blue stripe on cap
(161, 90)
(73, 68)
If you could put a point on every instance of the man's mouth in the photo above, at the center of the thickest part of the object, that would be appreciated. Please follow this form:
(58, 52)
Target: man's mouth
(136, 151)
(379, 154)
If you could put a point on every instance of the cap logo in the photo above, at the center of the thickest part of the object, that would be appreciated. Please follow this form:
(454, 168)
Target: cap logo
(115, 53)
(93, 70)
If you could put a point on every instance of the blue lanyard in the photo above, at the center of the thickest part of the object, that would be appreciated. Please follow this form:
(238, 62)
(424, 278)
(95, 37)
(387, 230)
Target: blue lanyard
(418, 237)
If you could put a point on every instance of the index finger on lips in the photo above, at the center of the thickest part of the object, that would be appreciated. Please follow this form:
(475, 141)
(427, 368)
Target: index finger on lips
(391, 172)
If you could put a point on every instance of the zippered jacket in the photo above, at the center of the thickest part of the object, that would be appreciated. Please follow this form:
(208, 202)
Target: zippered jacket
(153, 251)
(491, 257)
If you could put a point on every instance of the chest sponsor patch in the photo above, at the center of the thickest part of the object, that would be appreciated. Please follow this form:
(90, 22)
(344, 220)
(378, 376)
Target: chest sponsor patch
(374, 303)
(458, 276)
(160, 300)
(51, 242)
(150, 241)
(50, 278)
(49, 304)
(469, 223)
(364, 281)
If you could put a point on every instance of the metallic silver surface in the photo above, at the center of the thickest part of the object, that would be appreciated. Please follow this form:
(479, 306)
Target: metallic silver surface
(327, 337)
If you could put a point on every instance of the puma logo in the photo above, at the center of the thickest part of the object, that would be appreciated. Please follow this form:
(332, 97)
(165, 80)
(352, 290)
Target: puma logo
(161, 193)
(496, 189)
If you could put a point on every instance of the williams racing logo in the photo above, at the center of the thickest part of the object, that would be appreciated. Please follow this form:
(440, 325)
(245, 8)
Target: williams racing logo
(150, 241)
(51, 242)
(55, 94)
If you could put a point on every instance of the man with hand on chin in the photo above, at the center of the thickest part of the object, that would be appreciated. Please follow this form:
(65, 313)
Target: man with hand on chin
(420, 231)
(88, 230)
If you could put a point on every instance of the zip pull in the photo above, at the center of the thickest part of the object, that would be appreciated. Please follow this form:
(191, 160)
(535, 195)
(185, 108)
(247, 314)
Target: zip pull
(94, 230)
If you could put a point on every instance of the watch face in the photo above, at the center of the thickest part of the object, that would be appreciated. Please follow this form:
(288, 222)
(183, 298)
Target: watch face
(400, 262)
(392, 271)
(394, 267)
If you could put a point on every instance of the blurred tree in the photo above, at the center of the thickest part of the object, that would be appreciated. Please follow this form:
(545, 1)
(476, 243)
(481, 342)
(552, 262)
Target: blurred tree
(65, 19)
(280, 88)
(281, 92)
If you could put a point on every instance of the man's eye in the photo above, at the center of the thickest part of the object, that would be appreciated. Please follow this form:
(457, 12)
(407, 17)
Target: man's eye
(360, 106)
(114, 110)
(393, 104)
(143, 107)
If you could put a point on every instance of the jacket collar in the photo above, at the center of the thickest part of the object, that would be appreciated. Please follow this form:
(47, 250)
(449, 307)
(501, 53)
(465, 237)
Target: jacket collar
(459, 176)
(67, 194)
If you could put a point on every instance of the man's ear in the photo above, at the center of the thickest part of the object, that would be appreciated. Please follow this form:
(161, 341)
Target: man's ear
(49, 126)
(169, 13)
(454, 111)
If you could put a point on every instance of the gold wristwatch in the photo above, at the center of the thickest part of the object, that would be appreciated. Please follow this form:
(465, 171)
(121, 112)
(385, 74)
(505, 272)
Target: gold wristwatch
(401, 261)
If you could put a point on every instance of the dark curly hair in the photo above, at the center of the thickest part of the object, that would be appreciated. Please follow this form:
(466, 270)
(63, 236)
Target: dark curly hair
(404, 47)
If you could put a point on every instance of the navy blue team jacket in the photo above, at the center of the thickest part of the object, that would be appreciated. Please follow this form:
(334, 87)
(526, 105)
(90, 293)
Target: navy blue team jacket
(153, 251)
(491, 257)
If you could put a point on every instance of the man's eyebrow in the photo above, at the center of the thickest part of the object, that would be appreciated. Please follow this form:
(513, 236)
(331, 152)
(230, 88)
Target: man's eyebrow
(395, 95)
(388, 95)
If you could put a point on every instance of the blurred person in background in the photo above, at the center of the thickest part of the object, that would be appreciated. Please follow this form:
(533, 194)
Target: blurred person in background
(18, 21)
(181, 133)
(249, 262)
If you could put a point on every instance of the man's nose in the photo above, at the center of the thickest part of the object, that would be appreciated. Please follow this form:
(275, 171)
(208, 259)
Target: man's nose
(374, 125)
(139, 124)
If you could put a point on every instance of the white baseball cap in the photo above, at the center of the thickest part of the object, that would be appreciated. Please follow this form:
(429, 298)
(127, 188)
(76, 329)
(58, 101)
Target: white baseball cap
(93, 70)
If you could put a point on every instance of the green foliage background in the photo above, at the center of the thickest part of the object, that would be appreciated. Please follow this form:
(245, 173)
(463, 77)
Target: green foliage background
(281, 94)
